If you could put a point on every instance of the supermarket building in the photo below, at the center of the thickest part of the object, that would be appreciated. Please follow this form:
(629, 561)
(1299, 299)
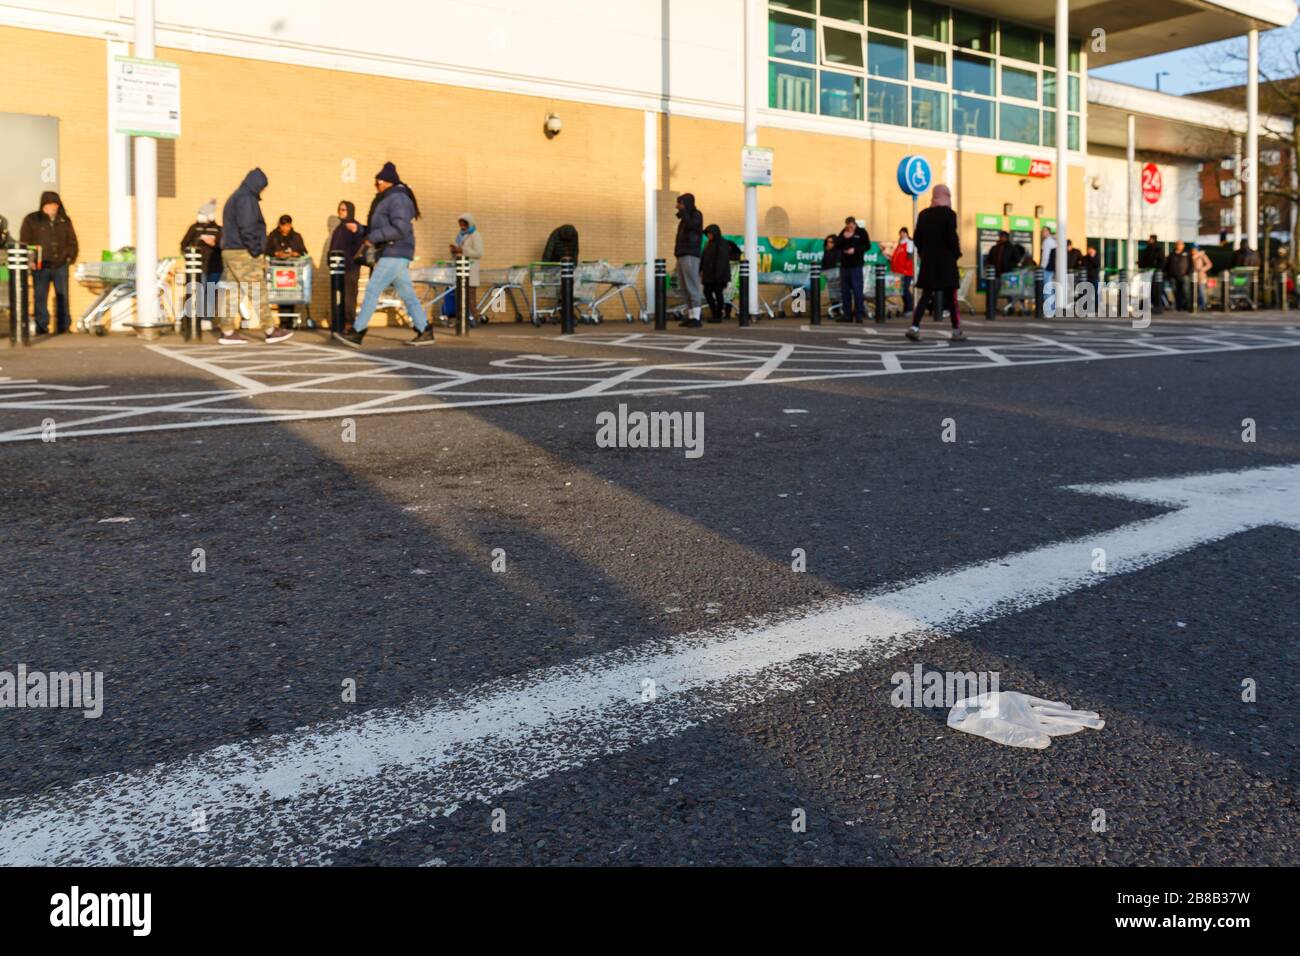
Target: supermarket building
(649, 95)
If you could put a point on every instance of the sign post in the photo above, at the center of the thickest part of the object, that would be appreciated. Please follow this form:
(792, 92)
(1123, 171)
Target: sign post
(147, 104)
(914, 179)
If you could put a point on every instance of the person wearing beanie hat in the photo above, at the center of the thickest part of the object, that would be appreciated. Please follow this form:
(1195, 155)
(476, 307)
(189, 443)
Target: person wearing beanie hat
(50, 228)
(391, 231)
(204, 234)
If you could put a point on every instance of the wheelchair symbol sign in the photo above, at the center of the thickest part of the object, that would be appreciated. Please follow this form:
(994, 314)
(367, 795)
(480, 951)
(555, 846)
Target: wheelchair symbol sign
(913, 175)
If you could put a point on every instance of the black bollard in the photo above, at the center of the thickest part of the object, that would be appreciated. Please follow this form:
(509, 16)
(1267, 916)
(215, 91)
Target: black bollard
(878, 273)
(1157, 293)
(566, 297)
(1040, 278)
(990, 293)
(195, 295)
(815, 292)
(661, 295)
(19, 264)
(337, 286)
(743, 314)
(462, 295)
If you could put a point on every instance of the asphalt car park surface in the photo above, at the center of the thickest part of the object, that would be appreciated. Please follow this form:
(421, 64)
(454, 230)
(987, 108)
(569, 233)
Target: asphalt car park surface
(367, 556)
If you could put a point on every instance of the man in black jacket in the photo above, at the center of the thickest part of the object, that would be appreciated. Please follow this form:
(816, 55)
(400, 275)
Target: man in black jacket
(50, 228)
(243, 239)
(939, 248)
(687, 248)
(204, 234)
(1178, 267)
(853, 244)
(285, 242)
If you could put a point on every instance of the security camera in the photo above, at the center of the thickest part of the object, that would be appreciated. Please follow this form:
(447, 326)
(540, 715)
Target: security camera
(553, 126)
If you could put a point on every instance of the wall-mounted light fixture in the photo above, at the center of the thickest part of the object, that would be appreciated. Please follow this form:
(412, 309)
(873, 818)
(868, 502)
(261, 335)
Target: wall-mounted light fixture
(1006, 209)
(1038, 212)
(553, 126)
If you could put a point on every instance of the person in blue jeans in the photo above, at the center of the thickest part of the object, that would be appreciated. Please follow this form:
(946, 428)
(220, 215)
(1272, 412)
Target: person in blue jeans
(853, 244)
(50, 229)
(391, 230)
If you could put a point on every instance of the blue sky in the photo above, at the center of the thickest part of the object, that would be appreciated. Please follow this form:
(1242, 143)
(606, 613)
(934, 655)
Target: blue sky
(1208, 67)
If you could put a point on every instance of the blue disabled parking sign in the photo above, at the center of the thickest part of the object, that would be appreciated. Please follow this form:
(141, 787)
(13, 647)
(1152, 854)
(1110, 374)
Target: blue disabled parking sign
(913, 175)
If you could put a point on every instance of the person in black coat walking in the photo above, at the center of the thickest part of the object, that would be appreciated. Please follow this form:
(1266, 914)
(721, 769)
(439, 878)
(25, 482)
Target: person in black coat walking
(939, 248)
(715, 271)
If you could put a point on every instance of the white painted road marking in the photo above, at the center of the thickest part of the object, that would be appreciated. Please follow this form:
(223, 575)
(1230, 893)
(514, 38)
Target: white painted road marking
(321, 374)
(299, 797)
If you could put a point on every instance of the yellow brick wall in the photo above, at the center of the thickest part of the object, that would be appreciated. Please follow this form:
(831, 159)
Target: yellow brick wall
(463, 149)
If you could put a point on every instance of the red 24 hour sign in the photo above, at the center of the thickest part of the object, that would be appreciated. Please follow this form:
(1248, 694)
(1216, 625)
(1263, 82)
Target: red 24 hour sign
(1152, 183)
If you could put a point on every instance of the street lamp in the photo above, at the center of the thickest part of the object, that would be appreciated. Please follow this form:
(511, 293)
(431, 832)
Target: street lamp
(1158, 75)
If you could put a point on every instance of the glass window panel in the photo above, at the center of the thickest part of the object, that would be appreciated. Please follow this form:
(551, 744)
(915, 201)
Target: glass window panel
(1049, 88)
(791, 38)
(1049, 130)
(886, 56)
(848, 10)
(1019, 83)
(803, 6)
(841, 95)
(972, 74)
(972, 116)
(887, 103)
(888, 15)
(929, 109)
(972, 31)
(842, 48)
(790, 87)
(1074, 93)
(929, 65)
(1018, 124)
(1049, 51)
(929, 20)
(1020, 43)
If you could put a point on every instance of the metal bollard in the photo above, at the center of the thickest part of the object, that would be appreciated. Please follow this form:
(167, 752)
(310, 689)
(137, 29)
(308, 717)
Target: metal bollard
(1281, 290)
(878, 274)
(743, 314)
(462, 295)
(1224, 285)
(566, 297)
(1039, 280)
(196, 295)
(815, 292)
(19, 262)
(1157, 293)
(661, 295)
(1122, 303)
(990, 293)
(338, 268)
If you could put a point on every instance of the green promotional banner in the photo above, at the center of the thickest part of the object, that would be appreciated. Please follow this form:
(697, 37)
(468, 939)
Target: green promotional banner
(1023, 223)
(781, 254)
(987, 220)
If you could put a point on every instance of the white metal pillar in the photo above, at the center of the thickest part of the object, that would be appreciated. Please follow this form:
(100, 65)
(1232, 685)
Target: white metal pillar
(755, 60)
(1130, 250)
(1236, 198)
(1062, 141)
(146, 190)
(650, 164)
(1252, 138)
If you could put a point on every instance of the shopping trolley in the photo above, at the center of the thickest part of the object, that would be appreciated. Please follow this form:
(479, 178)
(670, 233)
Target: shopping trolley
(621, 280)
(544, 283)
(288, 283)
(501, 284)
(1017, 287)
(1241, 288)
(788, 282)
(113, 284)
(437, 280)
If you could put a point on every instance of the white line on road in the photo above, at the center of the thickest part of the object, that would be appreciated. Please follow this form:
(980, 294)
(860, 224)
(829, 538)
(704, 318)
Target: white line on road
(299, 797)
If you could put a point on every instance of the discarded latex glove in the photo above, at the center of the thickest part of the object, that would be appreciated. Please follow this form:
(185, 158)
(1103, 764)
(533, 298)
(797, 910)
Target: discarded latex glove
(1018, 720)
